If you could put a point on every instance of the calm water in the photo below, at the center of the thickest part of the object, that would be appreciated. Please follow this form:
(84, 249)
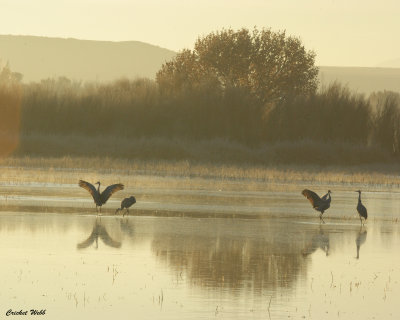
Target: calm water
(279, 263)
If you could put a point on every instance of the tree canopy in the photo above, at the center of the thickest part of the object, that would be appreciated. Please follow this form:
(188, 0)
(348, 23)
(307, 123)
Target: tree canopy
(269, 65)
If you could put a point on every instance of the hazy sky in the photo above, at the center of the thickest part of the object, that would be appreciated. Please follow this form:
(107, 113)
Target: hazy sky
(341, 32)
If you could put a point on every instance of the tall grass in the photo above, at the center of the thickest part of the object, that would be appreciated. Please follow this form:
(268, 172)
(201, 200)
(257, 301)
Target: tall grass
(134, 119)
(187, 174)
(204, 151)
(386, 119)
(10, 105)
(65, 107)
(333, 115)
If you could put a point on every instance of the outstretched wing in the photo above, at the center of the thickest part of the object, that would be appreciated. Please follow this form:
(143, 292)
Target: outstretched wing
(92, 190)
(312, 197)
(325, 197)
(107, 192)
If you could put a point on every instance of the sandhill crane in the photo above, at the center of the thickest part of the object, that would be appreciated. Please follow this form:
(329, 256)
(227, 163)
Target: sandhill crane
(319, 204)
(126, 203)
(362, 211)
(100, 198)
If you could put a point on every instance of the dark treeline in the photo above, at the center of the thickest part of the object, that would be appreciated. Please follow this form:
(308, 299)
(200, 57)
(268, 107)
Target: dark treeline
(138, 109)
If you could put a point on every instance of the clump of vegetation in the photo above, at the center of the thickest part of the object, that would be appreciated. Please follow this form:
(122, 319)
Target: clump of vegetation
(10, 104)
(332, 115)
(267, 65)
(386, 120)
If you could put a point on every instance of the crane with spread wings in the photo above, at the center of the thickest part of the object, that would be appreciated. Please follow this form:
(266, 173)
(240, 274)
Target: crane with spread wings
(319, 204)
(100, 198)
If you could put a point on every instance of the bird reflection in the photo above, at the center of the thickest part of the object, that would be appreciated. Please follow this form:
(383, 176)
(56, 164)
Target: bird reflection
(361, 237)
(127, 227)
(319, 240)
(99, 231)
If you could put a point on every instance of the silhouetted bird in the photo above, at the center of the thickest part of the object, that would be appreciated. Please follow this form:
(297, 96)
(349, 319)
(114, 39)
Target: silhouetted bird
(319, 204)
(99, 231)
(362, 211)
(100, 198)
(126, 204)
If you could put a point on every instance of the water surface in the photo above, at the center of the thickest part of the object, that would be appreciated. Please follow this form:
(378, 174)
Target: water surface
(226, 255)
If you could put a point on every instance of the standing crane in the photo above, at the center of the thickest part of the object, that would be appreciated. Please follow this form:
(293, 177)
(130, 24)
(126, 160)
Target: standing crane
(319, 204)
(100, 198)
(362, 211)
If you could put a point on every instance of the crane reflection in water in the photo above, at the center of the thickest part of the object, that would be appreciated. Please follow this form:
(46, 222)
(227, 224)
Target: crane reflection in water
(360, 240)
(99, 231)
(320, 240)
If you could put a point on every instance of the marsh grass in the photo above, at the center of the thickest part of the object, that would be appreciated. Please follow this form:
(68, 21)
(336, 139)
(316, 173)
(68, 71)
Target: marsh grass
(220, 151)
(187, 174)
(133, 119)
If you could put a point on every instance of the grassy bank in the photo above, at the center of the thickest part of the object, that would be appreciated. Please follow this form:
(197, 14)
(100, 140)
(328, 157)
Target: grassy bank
(187, 174)
(219, 151)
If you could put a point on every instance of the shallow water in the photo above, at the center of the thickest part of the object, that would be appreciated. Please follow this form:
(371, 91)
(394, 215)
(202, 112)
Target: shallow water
(281, 263)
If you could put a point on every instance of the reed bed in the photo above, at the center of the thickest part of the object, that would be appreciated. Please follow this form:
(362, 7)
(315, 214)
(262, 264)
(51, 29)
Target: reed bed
(186, 174)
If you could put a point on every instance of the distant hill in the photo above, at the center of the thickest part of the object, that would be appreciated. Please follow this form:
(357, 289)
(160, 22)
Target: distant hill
(40, 57)
(362, 80)
(390, 64)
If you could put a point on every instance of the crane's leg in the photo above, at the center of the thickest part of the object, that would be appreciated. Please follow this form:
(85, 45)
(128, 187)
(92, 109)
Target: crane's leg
(321, 219)
(126, 212)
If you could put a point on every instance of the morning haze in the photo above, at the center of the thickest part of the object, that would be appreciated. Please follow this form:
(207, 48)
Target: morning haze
(38, 58)
(252, 172)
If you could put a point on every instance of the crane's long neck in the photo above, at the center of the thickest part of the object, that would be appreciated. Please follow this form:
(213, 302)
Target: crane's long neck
(98, 188)
(328, 199)
(359, 197)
